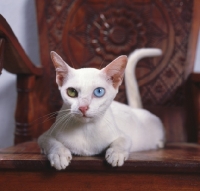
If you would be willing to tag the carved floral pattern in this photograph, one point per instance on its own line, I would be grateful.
(91, 34)
(114, 33)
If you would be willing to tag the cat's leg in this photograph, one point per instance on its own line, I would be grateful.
(58, 155)
(118, 151)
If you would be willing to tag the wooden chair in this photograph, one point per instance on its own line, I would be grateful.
(90, 34)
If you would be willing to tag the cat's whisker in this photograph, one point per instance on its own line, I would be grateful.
(62, 119)
(58, 121)
(68, 120)
(65, 125)
(50, 115)
(53, 113)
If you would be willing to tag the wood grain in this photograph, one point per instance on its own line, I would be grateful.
(25, 102)
(175, 158)
(48, 181)
(176, 167)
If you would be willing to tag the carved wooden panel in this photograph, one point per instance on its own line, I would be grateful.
(90, 33)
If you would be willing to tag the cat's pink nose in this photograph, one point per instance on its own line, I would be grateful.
(83, 109)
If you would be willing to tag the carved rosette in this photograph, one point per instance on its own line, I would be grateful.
(115, 32)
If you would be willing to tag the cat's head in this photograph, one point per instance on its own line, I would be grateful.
(88, 92)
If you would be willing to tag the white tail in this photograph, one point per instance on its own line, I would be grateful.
(132, 91)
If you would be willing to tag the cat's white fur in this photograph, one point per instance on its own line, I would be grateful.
(106, 124)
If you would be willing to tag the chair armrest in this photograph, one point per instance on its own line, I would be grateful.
(12, 56)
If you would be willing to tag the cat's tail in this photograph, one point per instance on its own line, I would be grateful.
(132, 91)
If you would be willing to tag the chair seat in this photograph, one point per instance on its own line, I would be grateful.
(176, 157)
(176, 167)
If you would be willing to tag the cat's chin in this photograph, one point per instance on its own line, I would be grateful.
(84, 119)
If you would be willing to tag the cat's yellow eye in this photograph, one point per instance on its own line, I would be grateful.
(71, 92)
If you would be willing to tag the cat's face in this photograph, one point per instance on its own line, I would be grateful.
(88, 92)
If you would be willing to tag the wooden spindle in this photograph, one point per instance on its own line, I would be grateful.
(25, 106)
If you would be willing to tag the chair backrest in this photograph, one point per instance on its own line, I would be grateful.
(90, 33)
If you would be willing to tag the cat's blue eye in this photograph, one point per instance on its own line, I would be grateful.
(99, 92)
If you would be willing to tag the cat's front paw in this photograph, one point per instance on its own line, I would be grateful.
(60, 158)
(116, 157)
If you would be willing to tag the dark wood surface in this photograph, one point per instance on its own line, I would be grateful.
(177, 167)
(90, 181)
(175, 158)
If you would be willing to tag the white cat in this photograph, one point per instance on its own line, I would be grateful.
(90, 122)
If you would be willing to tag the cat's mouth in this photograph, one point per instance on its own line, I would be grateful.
(85, 116)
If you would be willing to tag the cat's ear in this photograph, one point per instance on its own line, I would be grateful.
(115, 70)
(62, 68)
